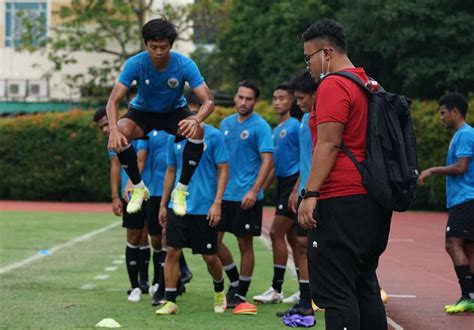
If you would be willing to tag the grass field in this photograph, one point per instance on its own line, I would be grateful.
(63, 290)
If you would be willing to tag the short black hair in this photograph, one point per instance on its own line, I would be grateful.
(303, 82)
(330, 30)
(284, 86)
(455, 100)
(99, 114)
(251, 85)
(159, 29)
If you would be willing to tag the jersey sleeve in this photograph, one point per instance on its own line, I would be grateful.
(465, 145)
(264, 138)
(192, 75)
(129, 72)
(333, 101)
(111, 153)
(219, 149)
(142, 145)
(171, 158)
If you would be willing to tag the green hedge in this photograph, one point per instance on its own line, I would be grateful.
(62, 156)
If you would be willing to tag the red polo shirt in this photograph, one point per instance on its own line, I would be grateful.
(340, 100)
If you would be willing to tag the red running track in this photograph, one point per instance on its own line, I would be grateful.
(415, 264)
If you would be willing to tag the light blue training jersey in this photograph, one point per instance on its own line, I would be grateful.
(286, 156)
(306, 151)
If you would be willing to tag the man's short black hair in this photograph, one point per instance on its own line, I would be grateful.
(330, 30)
(251, 85)
(284, 86)
(303, 82)
(159, 29)
(455, 100)
(99, 114)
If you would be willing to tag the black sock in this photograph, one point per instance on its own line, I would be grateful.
(232, 273)
(297, 273)
(278, 277)
(182, 262)
(157, 255)
(465, 281)
(219, 286)
(170, 294)
(244, 283)
(305, 294)
(131, 258)
(143, 263)
(128, 160)
(161, 281)
(191, 156)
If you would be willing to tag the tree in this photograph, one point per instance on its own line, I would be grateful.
(421, 48)
(95, 26)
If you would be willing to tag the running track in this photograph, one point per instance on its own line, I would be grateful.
(415, 264)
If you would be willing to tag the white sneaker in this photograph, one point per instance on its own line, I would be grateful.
(271, 296)
(293, 299)
(135, 295)
(153, 289)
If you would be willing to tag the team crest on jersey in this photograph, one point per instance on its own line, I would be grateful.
(173, 82)
(244, 135)
(282, 134)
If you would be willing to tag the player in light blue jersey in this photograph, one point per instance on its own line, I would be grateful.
(249, 142)
(196, 229)
(137, 251)
(286, 169)
(459, 171)
(160, 75)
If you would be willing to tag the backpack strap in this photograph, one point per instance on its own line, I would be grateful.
(352, 157)
(353, 78)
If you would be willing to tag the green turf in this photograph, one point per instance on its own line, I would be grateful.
(47, 294)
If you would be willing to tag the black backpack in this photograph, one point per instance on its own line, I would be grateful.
(390, 171)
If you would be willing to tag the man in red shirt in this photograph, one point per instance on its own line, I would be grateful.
(348, 230)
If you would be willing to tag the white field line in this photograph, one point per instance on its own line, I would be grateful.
(101, 277)
(265, 238)
(54, 249)
(110, 269)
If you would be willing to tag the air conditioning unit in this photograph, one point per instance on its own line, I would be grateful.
(38, 88)
(3, 89)
(16, 88)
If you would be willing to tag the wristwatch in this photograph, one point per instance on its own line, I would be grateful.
(308, 194)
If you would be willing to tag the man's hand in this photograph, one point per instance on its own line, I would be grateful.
(293, 201)
(214, 215)
(423, 175)
(117, 141)
(163, 216)
(249, 199)
(305, 213)
(188, 127)
(117, 206)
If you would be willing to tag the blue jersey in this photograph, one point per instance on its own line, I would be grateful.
(460, 188)
(287, 148)
(123, 175)
(160, 91)
(306, 151)
(155, 167)
(245, 141)
(203, 185)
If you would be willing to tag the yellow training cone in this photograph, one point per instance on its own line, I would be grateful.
(108, 323)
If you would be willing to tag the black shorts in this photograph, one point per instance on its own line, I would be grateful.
(300, 231)
(284, 188)
(167, 122)
(153, 210)
(241, 222)
(191, 231)
(461, 221)
(136, 220)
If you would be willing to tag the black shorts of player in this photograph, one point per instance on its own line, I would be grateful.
(167, 122)
(343, 255)
(461, 221)
(300, 231)
(241, 222)
(136, 220)
(191, 231)
(284, 188)
(153, 210)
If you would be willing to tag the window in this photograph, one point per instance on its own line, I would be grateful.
(20, 13)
